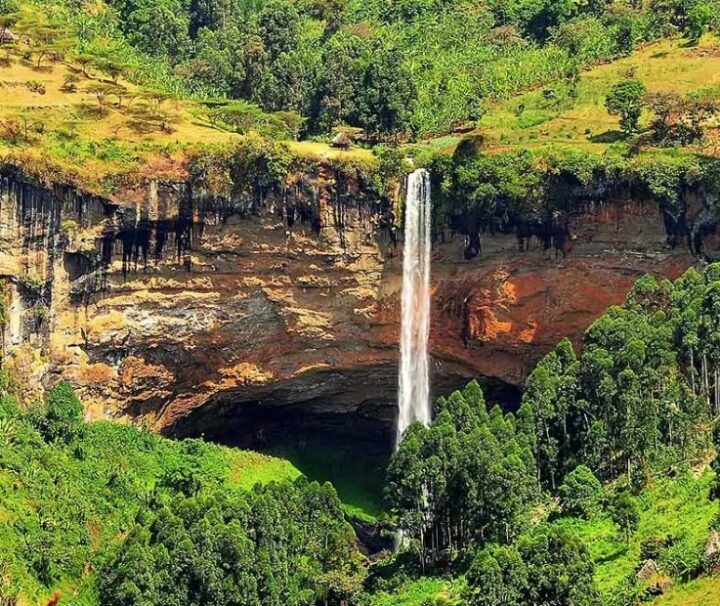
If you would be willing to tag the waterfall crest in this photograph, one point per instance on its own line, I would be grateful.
(414, 380)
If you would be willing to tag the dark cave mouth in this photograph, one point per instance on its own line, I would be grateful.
(344, 434)
(265, 427)
(355, 410)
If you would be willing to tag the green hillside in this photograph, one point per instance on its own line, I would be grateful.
(600, 488)
(72, 493)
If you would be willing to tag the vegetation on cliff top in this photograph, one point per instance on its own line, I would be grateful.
(412, 67)
(101, 93)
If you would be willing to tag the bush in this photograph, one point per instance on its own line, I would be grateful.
(683, 560)
(63, 415)
(581, 493)
(652, 548)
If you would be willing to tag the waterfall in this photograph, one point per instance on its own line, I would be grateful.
(414, 381)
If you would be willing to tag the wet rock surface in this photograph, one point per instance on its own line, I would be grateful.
(252, 319)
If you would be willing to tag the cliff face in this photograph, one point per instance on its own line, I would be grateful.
(246, 319)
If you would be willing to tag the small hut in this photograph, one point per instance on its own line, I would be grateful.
(341, 141)
(7, 37)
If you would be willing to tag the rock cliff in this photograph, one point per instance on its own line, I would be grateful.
(241, 319)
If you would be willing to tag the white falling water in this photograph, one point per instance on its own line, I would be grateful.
(414, 386)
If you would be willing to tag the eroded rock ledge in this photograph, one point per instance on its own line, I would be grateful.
(238, 318)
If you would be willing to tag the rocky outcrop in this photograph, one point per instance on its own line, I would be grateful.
(243, 318)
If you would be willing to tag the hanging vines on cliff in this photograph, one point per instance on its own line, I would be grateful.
(534, 193)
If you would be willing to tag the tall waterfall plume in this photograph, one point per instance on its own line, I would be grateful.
(414, 382)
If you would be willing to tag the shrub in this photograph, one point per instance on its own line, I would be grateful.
(581, 493)
(63, 415)
(652, 548)
(683, 559)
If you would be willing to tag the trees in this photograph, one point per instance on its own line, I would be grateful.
(698, 20)
(680, 119)
(242, 117)
(283, 544)
(644, 385)
(625, 513)
(625, 99)
(715, 465)
(336, 98)
(497, 577)
(44, 36)
(386, 95)
(581, 493)
(547, 567)
(462, 481)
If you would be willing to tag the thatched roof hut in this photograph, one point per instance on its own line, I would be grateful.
(341, 141)
(6, 36)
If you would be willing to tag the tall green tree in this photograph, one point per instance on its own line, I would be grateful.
(625, 99)
(387, 94)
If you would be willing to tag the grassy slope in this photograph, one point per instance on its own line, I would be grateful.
(92, 491)
(248, 468)
(701, 592)
(415, 593)
(679, 508)
(666, 65)
(84, 142)
(358, 479)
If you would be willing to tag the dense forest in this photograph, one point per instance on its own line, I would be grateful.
(489, 492)
(124, 517)
(405, 68)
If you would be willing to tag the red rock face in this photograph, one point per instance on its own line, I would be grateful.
(251, 322)
(497, 315)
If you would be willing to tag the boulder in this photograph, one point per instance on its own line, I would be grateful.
(647, 570)
(711, 555)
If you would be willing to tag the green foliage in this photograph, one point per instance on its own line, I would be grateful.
(715, 490)
(138, 513)
(388, 95)
(698, 20)
(426, 591)
(625, 99)
(643, 386)
(392, 167)
(410, 67)
(444, 483)
(277, 545)
(358, 480)
(624, 511)
(581, 494)
(243, 117)
(61, 419)
(548, 567)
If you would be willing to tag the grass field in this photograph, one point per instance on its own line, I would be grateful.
(415, 593)
(701, 592)
(358, 478)
(679, 509)
(533, 119)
